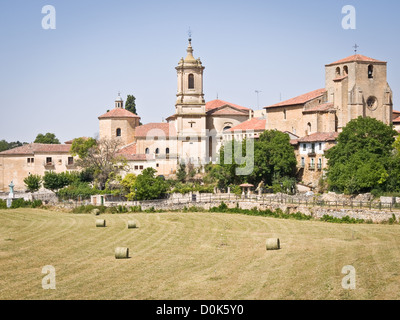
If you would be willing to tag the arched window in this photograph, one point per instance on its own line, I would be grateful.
(345, 70)
(167, 151)
(309, 127)
(157, 151)
(118, 132)
(227, 128)
(191, 81)
(338, 71)
(147, 151)
(370, 71)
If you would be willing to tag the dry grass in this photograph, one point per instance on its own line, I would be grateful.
(193, 256)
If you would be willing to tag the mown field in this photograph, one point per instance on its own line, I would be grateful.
(193, 256)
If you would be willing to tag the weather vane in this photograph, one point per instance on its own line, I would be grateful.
(355, 47)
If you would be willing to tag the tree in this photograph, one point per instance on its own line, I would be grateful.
(33, 182)
(274, 158)
(362, 160)
(130, 104)
(4, 145)
(101, 158)
(48, 138)
(148, 187)
(181, 173)
(56, 181)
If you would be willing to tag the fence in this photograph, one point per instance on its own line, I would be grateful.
(257, 199)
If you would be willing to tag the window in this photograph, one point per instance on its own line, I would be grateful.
(136, 167)
(167, 151)
(227, 128)
(191, 81)
(30, 160)
(157, 165)
(370, 71)
(372, 103)
(118, 132)
(337, 71)
(147, 151)
(320, 146)
(284, 114)
(49, 160)
(320, 163)
(313, 148)
(303, 162)
(345, 70)
(309, 127)
(141, 167)
(304, 147)
(70, 161)
(157, 151)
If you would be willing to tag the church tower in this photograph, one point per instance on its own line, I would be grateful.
(191, 108)
(357, 86)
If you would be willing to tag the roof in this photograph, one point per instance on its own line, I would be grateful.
(34, 148)
(302, 99)
(256, 124)
(155, 129)
(118, 113)
(326, 107)
(356, 58)
(320, 137)
(129, 149)
(214, 104)
(397, 119)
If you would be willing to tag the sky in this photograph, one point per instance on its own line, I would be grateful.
(61, 80)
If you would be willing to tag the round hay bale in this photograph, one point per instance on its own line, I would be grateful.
(273, 244)
(121, 253)
(96, 212)
(132, 225)
(100, 223)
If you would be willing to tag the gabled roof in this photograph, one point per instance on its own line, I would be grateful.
(129, 153)
(38, 148)
(256, 124)
(156, 129)
(356, 58)
(227, 110)
(302, 99)
(320, 137)
(214, 104)
(118, 113)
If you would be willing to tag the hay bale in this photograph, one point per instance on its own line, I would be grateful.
(100, 223)
(121, 253)
(132, 225)
(273, 244)
(96, 212)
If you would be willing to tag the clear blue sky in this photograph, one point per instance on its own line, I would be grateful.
(61, 80)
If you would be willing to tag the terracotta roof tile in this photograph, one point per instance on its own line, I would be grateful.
(129, 149)
(118, 113)
(320, 137)
(34, 148)
(355, 58)
(255, 124)
(220, 103)
(156, 129)
(304, 98)
(396, 120)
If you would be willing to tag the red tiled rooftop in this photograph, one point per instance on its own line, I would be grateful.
(220, 103)
(129, 149)
(396, 120)
(302, 99)
(320, 137)
(255, 124)
(118, 113)
(34, 148)
(355, 58)
(155, 129)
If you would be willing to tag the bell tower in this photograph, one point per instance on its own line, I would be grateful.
(190, 109)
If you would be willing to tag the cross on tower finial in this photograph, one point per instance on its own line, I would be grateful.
(190, 34)
(355, 48)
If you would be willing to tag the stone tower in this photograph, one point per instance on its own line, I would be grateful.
(357, 86)
(119, 123)
(190, 108)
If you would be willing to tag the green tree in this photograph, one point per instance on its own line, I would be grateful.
(48, 138)
(130, 104)
(148, 187)
(274, 157)
(362, 159)
(33, 182)
(181, 173)
(4, 145)
(80, 146)
(55, 181)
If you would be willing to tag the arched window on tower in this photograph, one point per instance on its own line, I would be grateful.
(157, 151)
(191, 81)
(309, 128)
(345, 70)
(118, 132)
(167, 151)
(147, 151)
(338, 71)
(370, 71)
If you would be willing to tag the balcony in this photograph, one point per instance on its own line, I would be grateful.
(312, 154)
(48, 164)
(70, 165)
